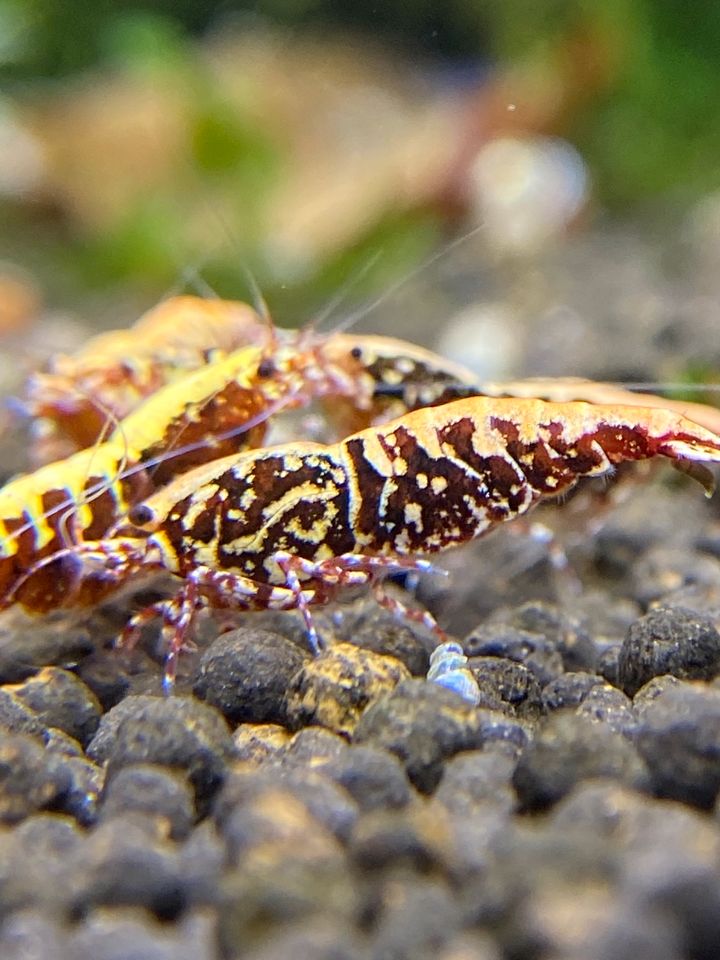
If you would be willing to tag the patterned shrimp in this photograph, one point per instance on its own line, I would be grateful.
(220, 409)
(201, 417)
(289, 527)
(443, 389)
(115, 371)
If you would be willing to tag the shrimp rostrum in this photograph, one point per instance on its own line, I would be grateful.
(290, 526)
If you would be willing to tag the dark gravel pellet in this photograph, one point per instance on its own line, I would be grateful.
(61, 700)
(269, 820)
(668, 857)
(284, 884)
(126, 863)
(27, 647)
(81, 796)
(16, 716)
(657, 687)
(606, 704)
(39, 865)
(31, 935)
(417, 917)
(202, 858)
(104, 936)
(568, 690)
(315, 744)
(315, 939)
(673, 641)
(513, 683)
(501, 731)
(374, 778)
(664, 569)
(471, 859)
(103, 674)
(567, 750)
(395, 840)
(533, 650)
(255, 742)
(476, 780)
(567, 633)
(327, 802)
(678, 738)
(334, 689)
(246, 673)
(372, 628)
(422, 724)
(154, 791)
(58, 742)
(600, 925)
(608, 665)
(636, 823)
(469, 945)
(30, 778)
(175, 732)
(593, 698)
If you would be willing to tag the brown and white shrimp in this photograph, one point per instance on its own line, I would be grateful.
(289, 527)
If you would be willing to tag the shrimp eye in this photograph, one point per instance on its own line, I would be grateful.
(356, 353)
(140, 515)
(266, 368)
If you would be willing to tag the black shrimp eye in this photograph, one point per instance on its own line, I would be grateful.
(356, 353)
(266, 368)
(140, 515)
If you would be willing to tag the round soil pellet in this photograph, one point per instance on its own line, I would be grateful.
(669, 641)
(246, 674)
(567, 750)
(30, 778)
(152, 791)
(61, 700)
(174, 732)
(678, 737)
(374, 778)
(335, 688)
(422, 724)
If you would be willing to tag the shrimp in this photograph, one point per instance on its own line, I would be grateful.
(115, 371)
(290, 526)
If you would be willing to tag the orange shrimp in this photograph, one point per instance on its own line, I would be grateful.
(115, 371)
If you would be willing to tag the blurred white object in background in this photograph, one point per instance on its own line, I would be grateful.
(526, 191)
(21, 156)
(486, 338)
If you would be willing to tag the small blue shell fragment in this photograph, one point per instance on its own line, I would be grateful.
(448, 668)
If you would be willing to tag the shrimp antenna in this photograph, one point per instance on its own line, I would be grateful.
(191, 276)
(258, 300)
(358, 315)
(359, 274)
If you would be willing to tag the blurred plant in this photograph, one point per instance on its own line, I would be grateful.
(652, 68)
(631, 83)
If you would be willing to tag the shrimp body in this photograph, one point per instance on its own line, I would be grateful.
(115, 371)
(289, 526)
(436, 478)
(217, 410)
(214, 410)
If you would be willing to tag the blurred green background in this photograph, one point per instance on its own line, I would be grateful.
(143, 142)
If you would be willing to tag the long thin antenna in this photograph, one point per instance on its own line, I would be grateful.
(345, 289)
(358, 315)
